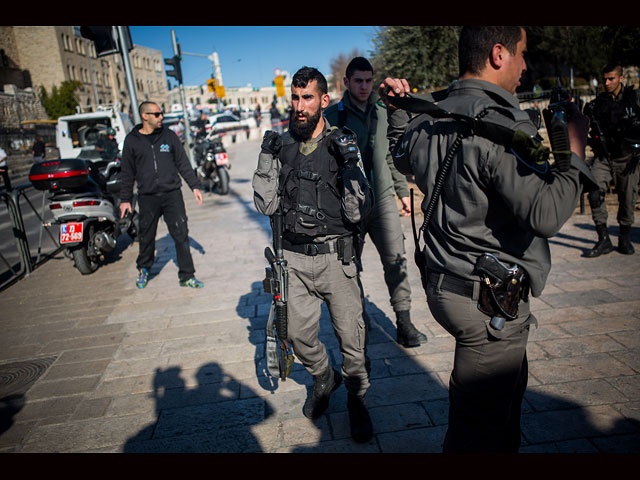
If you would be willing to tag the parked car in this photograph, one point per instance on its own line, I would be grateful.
(175, 123)
(227, 122)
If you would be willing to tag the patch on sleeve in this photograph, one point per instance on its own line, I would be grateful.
(530, 152)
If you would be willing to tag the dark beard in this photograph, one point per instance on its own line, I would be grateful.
(304, 129)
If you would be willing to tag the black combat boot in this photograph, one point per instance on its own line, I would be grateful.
(603, 245)
(624, 240)
(408, 335)
(323, 385)
(359, 419)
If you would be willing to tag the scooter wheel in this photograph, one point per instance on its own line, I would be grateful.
(223, 181)
(85, 264)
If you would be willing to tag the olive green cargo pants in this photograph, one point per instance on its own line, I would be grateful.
(312, 281)
(626, 186)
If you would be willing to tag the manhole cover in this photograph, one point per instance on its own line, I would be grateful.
(17, 378)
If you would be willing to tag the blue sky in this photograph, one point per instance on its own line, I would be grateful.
(250, 54)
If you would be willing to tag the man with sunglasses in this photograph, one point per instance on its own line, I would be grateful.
(154, 158)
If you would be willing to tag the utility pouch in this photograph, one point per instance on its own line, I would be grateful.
(346, 249)
(501, 289)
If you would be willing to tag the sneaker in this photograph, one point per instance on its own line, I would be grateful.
(143, 278)
(193, 283)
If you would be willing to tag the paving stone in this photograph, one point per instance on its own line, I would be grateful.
(574, 423)
(577, 368)
(85, 435)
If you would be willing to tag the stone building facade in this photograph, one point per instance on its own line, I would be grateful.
(45, 56)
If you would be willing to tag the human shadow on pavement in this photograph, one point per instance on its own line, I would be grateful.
(256, 333)
(208, 418)
(166, 252)
(552, 424)
(10, 405)
(250, 209)
(590, 239)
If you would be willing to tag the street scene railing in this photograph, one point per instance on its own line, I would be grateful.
(25, 240)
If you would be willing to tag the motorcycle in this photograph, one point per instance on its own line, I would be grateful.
(84, 203)
(212, 163)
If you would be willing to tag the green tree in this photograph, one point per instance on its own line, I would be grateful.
(553, 49)
(622, 44)
(61, 101)
(427, 56)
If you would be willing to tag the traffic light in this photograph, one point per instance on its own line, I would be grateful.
(177, 71)
(103, 39)
(279, 83)
(211, 84)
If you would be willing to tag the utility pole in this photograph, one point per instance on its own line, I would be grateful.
(187, 123)
(124, 50)
(217, 72)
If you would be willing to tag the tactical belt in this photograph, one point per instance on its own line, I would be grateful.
(311, 249)
(453, 284)
(343, 246)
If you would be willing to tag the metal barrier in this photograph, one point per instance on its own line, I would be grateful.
(27, 263)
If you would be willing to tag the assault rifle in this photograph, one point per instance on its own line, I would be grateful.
(278, 351)
(556, 119)
(596, 139)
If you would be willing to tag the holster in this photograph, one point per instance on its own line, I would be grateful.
(501, 298)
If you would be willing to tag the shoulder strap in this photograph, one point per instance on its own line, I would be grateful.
(342, 114)
(493, 131)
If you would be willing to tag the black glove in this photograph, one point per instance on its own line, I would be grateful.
(271, 142)
(347, 148)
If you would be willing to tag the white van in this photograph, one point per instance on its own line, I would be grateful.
(81, 131)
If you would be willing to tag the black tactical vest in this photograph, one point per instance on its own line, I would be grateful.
(310, 186)
(616, 118)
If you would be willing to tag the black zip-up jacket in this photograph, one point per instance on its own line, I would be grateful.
(155, 162)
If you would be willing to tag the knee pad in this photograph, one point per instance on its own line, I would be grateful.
(596, 198)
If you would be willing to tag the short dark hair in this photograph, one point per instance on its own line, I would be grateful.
(358, 64)
(307, 74)
(476, 42)
(141, 108)
(612, 67)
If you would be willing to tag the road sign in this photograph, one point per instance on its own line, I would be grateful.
(211, 84)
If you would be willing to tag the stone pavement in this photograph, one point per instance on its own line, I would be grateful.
(92, 364)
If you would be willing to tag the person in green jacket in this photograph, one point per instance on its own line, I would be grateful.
(361, 111)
